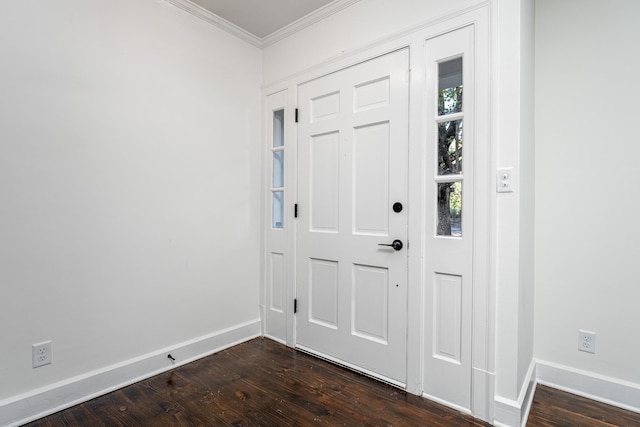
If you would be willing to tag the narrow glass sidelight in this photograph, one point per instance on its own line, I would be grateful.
(449, 148)
(450, 87)
(277, 171)
(449, 209)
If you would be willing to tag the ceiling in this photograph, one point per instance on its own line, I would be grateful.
(261, 17)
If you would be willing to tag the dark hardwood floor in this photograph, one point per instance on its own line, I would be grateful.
(263, 383)
(553, 407)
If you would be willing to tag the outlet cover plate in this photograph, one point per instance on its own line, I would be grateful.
(41, 354)
(587, 341)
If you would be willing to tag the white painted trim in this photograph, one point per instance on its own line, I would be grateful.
(292, 28)
(213, 19)
(507, 413)
(307, 20)
(448, 404)
(275, 339)
(482, 392)
(512, 413)
(612, 391)
(385, 44)
(21, 409)
(528, 402)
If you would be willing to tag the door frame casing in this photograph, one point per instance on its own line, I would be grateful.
(483, 331)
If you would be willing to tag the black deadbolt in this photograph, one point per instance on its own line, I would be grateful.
(397, 207)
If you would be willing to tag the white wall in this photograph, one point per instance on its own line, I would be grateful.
(359, 25)
(587, 204)
(129, 183)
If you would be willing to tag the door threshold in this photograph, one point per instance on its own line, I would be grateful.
(381, 378)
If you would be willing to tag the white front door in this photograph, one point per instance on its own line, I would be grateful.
(352, 197)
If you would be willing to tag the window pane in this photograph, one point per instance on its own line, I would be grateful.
(450, 87)
(449, 209)
(278, 209)
(278, 128)
(278, 169)
(450, 148)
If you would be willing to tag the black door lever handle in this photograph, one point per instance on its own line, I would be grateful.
(396, 244)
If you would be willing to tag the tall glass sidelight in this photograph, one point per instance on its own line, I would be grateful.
(277, 172)
(450, 125)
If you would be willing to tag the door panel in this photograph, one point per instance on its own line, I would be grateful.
(323, 298)
(276, 282)
(370, 303)
(371, 147)
(447, 317)
(324, 188)
(352, 157)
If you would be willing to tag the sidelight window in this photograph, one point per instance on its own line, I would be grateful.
(449, 140)
(277, 171)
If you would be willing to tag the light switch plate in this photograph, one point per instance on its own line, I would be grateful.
(504, 180)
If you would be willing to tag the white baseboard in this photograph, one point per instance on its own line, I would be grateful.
(514, 413)
(446, 403)
(36, 404)
(622, 394)
(276, 339)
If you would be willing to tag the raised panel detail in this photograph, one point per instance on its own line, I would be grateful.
(447, 312)
(371, 179)
(277, 282)
(323, 284)
(370, 303)
(324, 159)
(373, 94)
(325, 107)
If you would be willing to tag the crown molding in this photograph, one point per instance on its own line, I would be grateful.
(307, 20)
(294, 27)
(211, 18)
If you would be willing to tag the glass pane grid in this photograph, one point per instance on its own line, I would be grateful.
(449, 117)
(448, 178)
(277, 171)
(449, 149)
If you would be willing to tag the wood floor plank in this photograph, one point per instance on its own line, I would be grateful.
(552, 407)
(264, 383)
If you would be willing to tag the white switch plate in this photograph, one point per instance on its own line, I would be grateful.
(504, 180)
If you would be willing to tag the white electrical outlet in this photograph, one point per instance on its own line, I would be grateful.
(41, 354)
(587, 341)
